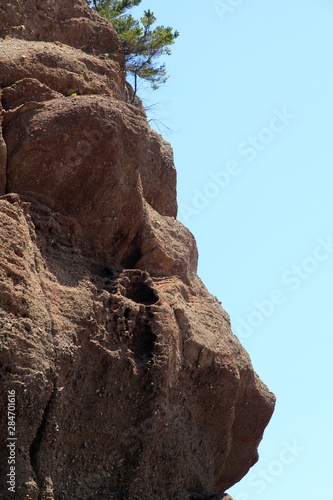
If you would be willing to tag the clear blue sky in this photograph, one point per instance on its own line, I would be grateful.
(250, 103)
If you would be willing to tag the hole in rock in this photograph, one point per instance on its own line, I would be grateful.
(143, 342)
(141, 293)
(106, 272)
(130, 261)
(132, 255)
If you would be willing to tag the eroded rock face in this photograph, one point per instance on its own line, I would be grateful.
(126, 384)
(129, 382)
(3, 156)
(94, 158)
(70, 22)
(62, 68)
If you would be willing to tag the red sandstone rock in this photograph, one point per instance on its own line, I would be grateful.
(3, 156)
(60, 67)
(98, 165)
(70, 22)
(129, 382)
(126, 384)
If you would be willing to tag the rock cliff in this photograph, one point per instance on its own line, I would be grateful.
(128, 381)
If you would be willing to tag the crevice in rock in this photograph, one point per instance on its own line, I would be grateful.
(52, 322)
(133, 253)
(198, 359)
(143, 342)
(36, 443)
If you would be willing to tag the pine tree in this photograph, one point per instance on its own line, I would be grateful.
(142, 43)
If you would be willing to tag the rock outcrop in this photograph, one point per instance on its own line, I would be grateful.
(128, 381)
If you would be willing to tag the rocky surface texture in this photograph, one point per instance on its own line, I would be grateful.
(129, 383)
